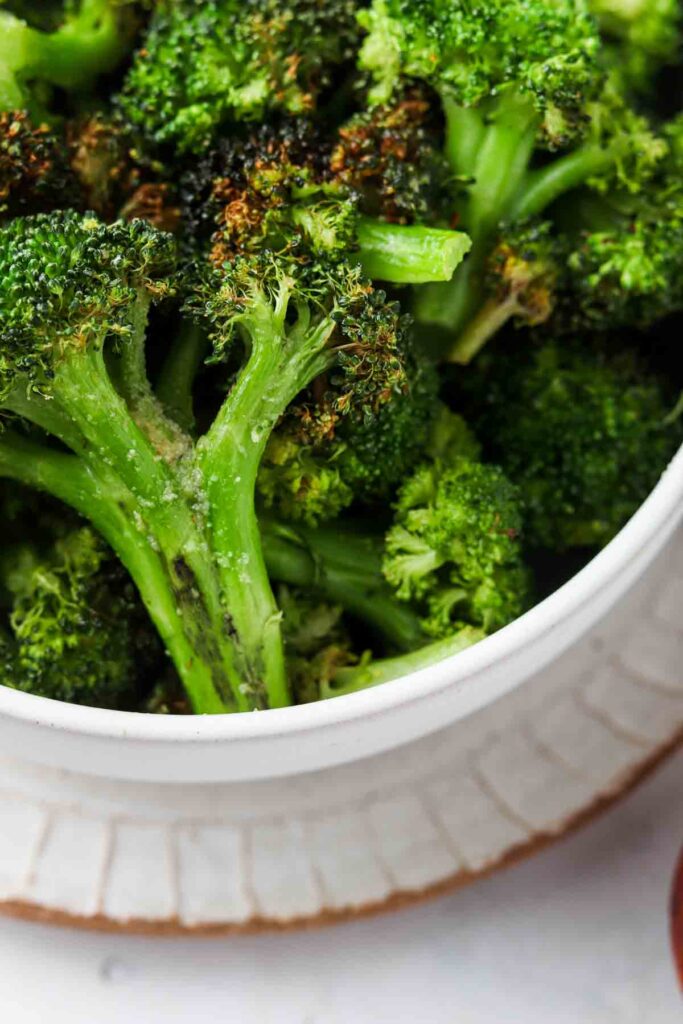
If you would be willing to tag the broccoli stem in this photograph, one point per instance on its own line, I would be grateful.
(175, 384)
(496, 158)
(129, 370)
(13, 37)
(492, 316)
(464, 131)
(102, 499)
(281, 363)
(501, 163)
(542, 187)
(341, 567)
(163, 505)
(411, 254)
(373, 673)
(89, 43)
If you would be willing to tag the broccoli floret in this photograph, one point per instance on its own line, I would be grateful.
(624, 266)
(277, 190)
(91, 39)
(530, 115)
(34, 168)
(203, 63)
(114, 180)
(316, 465)
(390, 156)
(455, 547)
(584, 435)
(524, 276)
(179, 513)
(75, 629)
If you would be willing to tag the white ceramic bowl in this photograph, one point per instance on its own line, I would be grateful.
(122, 745)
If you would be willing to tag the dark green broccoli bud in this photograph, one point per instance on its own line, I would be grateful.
(76, 630)
(91, 39)
(389, 156)
(277, 191)
(34, 168)
(455, 547)
(584, 436)
(204, 63)
(640, 36)
(358, 459)
(67, 283)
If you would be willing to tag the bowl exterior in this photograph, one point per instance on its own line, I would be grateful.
(316, 847)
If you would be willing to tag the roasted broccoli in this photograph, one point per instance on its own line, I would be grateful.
(248, 255)
(70, 52)
(531, 114)
(584, 434)
(205, 63)
(75, 630)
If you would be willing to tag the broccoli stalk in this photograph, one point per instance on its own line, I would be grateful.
(373, 672)
(409, 254)
(344, 566)
(91, 41)
(180, 515)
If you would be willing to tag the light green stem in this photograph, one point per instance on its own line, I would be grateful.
(275, 372)
(374, 673)
(175, 385)
(102, 499)
(491, 318)
(411, 254)
(167, 504)
(544, 186)
(346, 570)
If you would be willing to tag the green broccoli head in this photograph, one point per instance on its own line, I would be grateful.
(68, 282)
(584, 435)
(319, 319)
(358, 459)
(273, 191)
(75, 630)
(69, 49)
(545, 49)
(284, 190)
(204, 63)
(455, 548)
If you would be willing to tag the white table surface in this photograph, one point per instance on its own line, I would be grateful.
(579, 935)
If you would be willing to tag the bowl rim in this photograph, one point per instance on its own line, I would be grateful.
(660, 509)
